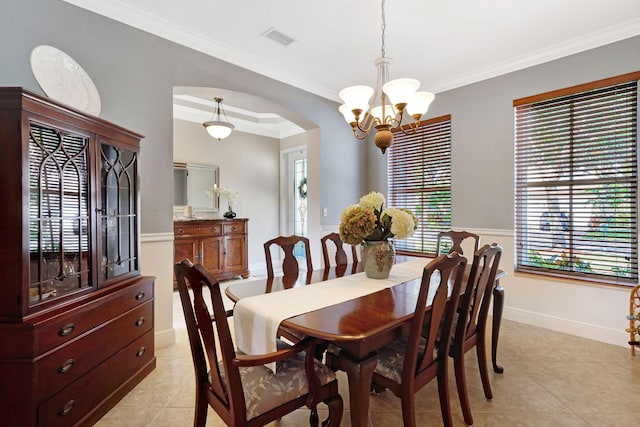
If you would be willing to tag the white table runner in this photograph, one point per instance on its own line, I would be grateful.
(256, 319)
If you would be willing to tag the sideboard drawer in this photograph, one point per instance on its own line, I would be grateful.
(66, 364)
(73, 403)
(61, 329)
(236, 227)
(198, 230)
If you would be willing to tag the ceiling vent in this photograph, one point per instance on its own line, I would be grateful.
(278, 37)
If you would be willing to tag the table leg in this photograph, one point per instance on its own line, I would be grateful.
(359, 375)
(498, 306)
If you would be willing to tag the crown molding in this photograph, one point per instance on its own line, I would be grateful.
(120, 11)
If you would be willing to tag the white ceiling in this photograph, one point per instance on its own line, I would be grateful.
(443, 43)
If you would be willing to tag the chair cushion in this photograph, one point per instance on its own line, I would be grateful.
(391, 358)
(264, 390)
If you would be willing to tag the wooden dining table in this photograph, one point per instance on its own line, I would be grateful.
(359, 327)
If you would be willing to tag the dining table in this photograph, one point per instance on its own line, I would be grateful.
(357, 326)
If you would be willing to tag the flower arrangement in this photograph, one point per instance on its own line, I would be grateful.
(230, 195)
(370, 221)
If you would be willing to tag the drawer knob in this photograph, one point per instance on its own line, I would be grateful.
(66, 329)
(66, 366)
(141, 351)
(180, 231)
(140, 321)
(140, 295)
(214, 229)
(67, 408)
(234, 228)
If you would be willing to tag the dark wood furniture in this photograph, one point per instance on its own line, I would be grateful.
(76, 316)
(470, 330)
(410, 362)
(224, 378)
(456, 238)
(359, 327)
(449, 241)
(340, 254)
(290, 266)
(219, 245)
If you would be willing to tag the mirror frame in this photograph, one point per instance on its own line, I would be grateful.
(191, 188)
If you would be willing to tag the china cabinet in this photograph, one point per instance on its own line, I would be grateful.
(220, 245)
(76, 316)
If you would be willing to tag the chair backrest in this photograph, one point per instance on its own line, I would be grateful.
(204, 350)
(341, 255)
(440, 316)
(474, 304)
(289, 263)
(456, 238)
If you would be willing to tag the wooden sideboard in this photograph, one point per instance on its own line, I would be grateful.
(220, 245)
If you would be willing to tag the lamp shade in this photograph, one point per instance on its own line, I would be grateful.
(217, 129)
(420, 102)
(377, 112)
(356, 97)
(400, 91)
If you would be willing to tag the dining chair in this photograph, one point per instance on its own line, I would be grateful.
(410, 362)
(290, 265)
(241, 390)
(456, 238)
(470, 328)
(341, 255)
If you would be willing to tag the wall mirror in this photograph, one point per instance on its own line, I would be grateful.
(193, 186)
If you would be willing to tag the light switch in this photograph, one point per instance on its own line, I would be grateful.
(324, 211)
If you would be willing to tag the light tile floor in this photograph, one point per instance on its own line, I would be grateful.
(550, 380)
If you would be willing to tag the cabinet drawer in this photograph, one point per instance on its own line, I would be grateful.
(66, 364)
(75, 402)
(234, 228)
(63, 328)
(198, 230)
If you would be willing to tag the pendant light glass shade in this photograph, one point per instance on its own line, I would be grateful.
(400, 91)
(216, 127)
(419, 104)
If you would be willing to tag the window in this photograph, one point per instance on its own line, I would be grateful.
(420, 180)
(576, 185)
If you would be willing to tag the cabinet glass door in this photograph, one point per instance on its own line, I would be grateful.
(118, 211)
(58, 213)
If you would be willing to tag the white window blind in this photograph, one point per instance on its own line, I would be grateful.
(420, 180)
(576, 182)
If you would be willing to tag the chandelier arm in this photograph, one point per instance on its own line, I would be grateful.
(409, 128)
(366, 124)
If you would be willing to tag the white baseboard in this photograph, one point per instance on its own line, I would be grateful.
(568, 326)
(165, 338)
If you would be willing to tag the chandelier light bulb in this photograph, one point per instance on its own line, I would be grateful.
(357, 97)
(401, 91)
(377, 113)
(419, 104)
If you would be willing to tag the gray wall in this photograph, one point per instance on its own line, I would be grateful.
(135, 74)
(483, 128)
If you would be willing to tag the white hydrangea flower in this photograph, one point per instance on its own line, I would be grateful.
(402, 224)
(373, 200)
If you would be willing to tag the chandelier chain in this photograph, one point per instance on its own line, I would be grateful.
(384, 25)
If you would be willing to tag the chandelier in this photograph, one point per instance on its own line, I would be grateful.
(216, 127)
(397, 104)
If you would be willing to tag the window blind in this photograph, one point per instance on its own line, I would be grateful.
(419, 179)
(576, 206)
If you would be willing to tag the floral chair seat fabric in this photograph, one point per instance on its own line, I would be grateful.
(265, 390)
(391, 358)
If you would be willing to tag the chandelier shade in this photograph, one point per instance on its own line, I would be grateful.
(389, 101)
(216, 127)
